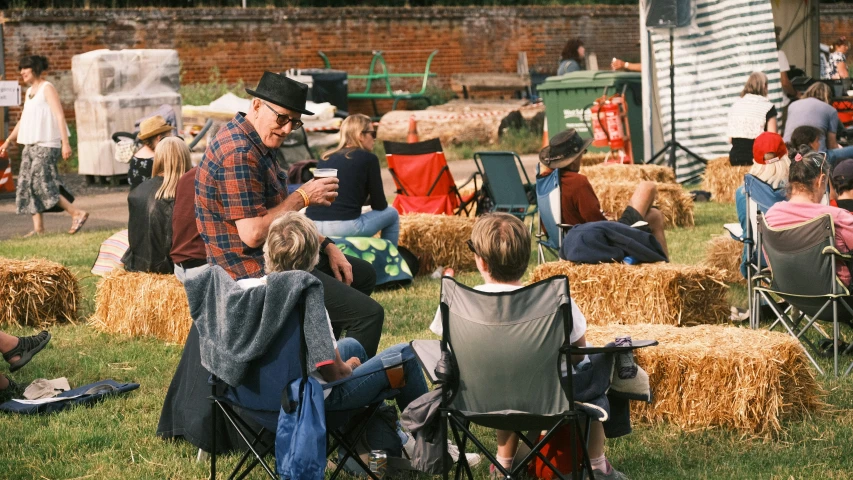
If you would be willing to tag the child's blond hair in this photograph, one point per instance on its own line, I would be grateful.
(292, 244)
(503, 242)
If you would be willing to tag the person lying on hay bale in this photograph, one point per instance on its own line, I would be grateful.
(807, 183)
(149, 225)
(579, 203)
(500, 244)
(17, 352)
(240, 190)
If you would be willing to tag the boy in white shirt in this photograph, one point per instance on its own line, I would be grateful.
(501, 246)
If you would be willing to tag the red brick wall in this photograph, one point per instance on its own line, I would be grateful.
(244, 43)
(836, 20)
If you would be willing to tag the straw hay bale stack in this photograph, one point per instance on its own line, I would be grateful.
(722, 179)
(629, 173)
(658, 293)
(590, 158)
(438, 240)
(724, 253)
(716, 376)
(675, 204)
(36, 293)
(142, 304)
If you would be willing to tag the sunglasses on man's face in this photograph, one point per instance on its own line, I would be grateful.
(282, 119)
(372, 133)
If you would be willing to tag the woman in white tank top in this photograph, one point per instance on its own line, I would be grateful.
(43, 133)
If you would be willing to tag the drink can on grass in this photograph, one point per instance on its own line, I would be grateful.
(377, 462)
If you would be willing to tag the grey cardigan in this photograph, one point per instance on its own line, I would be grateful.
(236, 326)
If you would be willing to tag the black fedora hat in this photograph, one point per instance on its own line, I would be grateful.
(563, 149)
(282, 91)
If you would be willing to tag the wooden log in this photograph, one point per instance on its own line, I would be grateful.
(456, 123)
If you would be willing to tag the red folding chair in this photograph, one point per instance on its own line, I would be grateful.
(424, 183)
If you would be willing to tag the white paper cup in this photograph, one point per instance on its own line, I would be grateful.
(325, 173)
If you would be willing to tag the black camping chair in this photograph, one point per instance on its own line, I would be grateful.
(803, 260)
(253, 407)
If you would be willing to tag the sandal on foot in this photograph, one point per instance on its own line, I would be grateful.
(27, 347)
(78, 223)
(33, 233)
(13, 390)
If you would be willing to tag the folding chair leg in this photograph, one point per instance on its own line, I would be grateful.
(235, 422)
(215, 418)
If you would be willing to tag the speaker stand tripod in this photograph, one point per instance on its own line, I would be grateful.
(672, 144)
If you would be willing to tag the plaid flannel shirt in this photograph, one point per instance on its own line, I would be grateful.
(238, 178)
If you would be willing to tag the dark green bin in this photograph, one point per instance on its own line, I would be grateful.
(568, 96)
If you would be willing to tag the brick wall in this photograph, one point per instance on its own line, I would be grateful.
(244, 43)
(836, 20)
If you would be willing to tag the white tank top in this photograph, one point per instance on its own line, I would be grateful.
(38, 127)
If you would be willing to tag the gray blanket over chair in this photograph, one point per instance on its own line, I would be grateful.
(236, 326)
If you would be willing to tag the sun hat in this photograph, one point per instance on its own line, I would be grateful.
(768, 142)
(563, 149)
(282, 91)
(153, 126)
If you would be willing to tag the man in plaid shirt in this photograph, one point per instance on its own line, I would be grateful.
(240, 190)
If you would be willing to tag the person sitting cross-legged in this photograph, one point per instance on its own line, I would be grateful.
(501, 246)
(579, 203)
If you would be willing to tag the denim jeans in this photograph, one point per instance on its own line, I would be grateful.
(835, 155)
(367, 225)
(363, 391)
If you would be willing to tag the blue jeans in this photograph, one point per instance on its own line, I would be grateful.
(367, 225)
(364, 390)
(835, 155)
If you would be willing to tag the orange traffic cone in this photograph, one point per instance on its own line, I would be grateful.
(545, 139)
(412, 137)
(7, 184)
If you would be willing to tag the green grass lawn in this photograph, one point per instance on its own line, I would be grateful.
(116, 439)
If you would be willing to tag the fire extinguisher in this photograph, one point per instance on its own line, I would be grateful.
(599, 135)
(613, 119)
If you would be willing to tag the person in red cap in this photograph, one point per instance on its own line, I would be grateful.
(770, 157)
(807, 183)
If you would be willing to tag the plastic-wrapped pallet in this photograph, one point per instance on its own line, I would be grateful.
(114, 89)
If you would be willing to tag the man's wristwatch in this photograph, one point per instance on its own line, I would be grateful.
(328, 241)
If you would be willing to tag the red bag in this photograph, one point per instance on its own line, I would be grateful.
(557, 452)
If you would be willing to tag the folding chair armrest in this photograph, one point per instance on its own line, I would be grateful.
(573, 350)
(472, 177)
(427, 353)
(834, 251)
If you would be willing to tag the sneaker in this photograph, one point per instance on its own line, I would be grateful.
(613, 475)
(13, 390)
(26, 348)
(453, 450)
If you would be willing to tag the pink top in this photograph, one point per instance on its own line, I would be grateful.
(786, 214)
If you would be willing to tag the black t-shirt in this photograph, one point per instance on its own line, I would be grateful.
(741, 152)
(845, 204)
(359, 178)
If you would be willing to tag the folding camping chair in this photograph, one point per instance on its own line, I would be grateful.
(551, 227)
(802, 261)
(503, 185)
(528, 392)
(258, 400)
(424, 182)
(758, 198)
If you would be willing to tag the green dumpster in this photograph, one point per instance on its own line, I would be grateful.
(569, 97)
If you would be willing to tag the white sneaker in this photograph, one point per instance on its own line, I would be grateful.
(453, 450)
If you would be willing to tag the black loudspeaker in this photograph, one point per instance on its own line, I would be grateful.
(668, 13)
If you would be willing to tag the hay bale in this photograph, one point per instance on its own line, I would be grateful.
(724, 253)
(438, 240)
(722, 179)
(716, 376)
(674, 202)
(658, 293)
(589, 159)
(142, 304)
(36, 293)
(613, 172)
